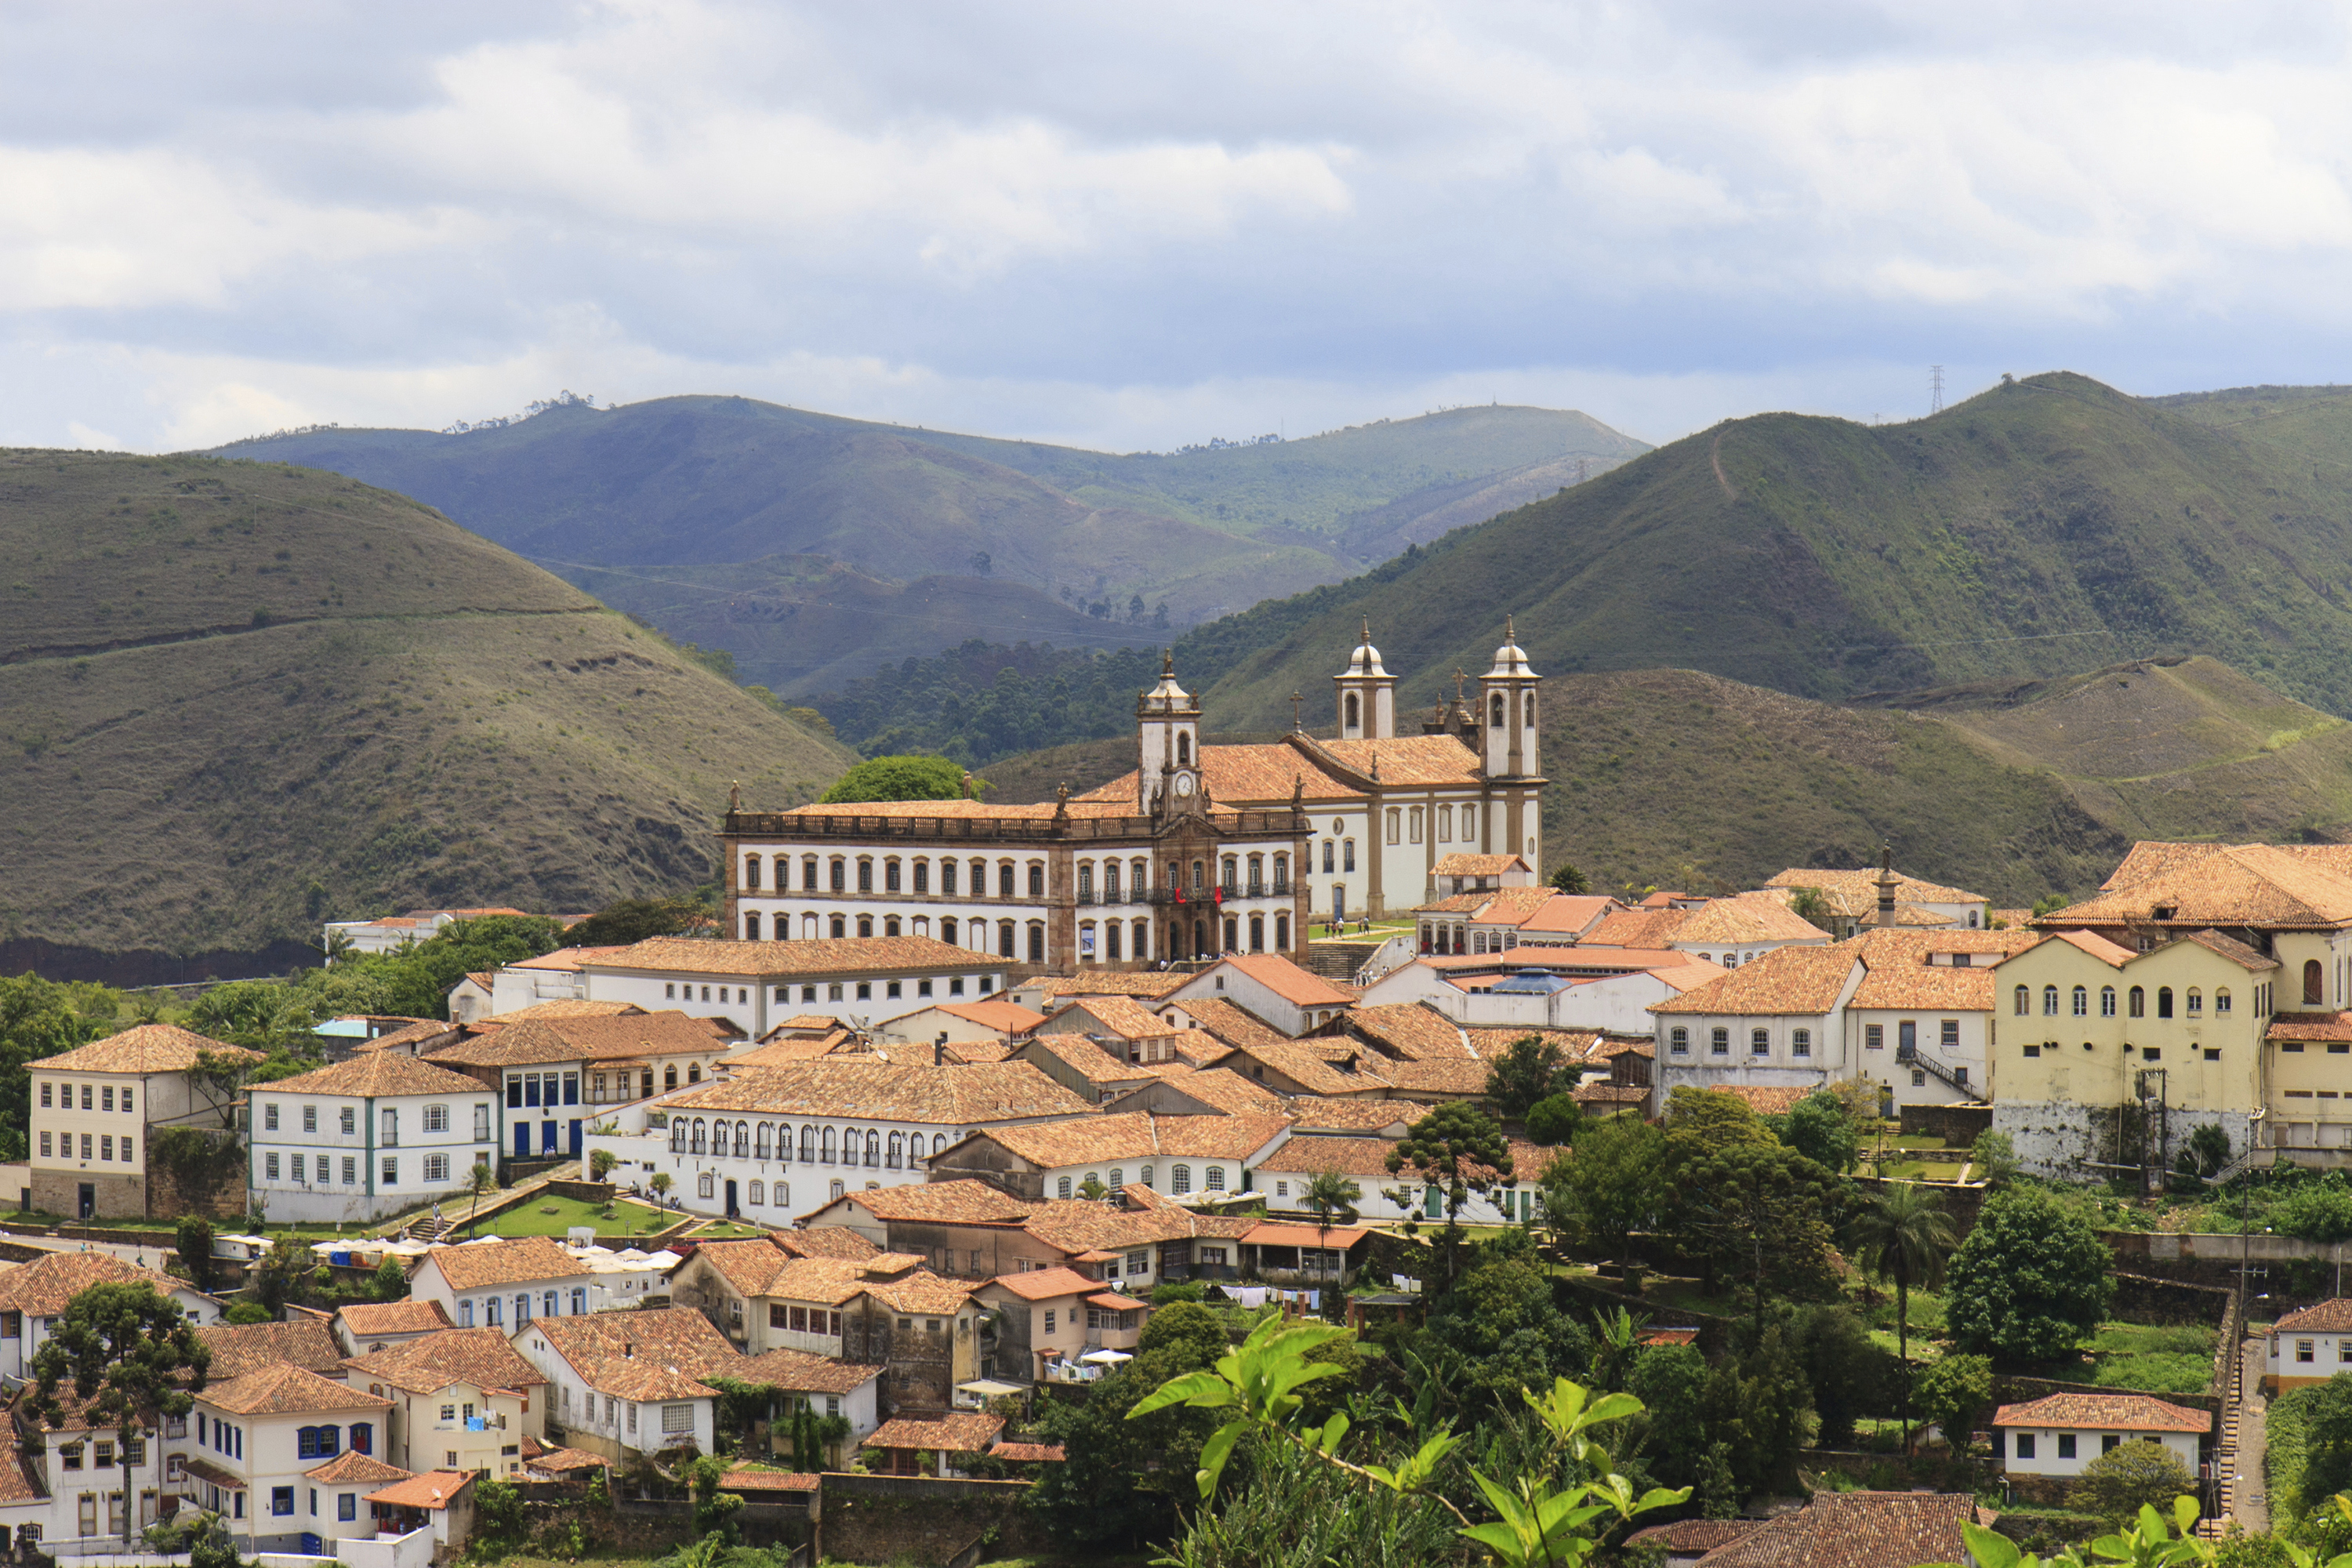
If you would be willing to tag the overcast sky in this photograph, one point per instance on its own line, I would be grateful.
(1137, 227)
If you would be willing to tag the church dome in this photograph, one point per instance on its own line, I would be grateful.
(1168, 697)
(1366, 659)
(1510, 663)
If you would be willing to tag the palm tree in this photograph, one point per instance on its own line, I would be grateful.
(1329, 1192)
(482, 1179)
(1903, 1236)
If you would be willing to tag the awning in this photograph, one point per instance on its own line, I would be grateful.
(1105, 1358)
(989, 1388)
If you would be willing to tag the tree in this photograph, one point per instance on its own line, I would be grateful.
(1812, 905)
(2327, 1443)
(482, 1179)
(1904, 1237)
(1614, 1184)
(1992, 1158)
(391, 1280)
(2207, 1150)
(127, 1352)
(601, 1163)
(1702, 1121)
(2317, 1210)
(1567, 879)
(1531, 1068)
(244, 1312)
(2129, 1476)
(1188, 1331)
(1848, 1374)
(194, 1241)
(1328, 1193)
(1555, 1121)
(899, 778)
(1767, 1212)
(1461, 1146)
(1718, 1493)
(1953, 1394)
(661, 1184)
(629, 920)
(1819, 1128)
(2030, 1282)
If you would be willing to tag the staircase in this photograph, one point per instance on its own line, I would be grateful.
(426, 1230)
(1909, 1056)
(2225, 1455)
(1336, 959)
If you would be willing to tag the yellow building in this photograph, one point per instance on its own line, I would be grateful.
(2096, 1045)
(461, 1400)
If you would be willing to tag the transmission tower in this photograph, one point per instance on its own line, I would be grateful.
(1936, 389)
(1580, 463)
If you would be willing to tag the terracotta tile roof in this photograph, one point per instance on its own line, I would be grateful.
(406, 1039)
(504, 1261)
(1750, 917)
(921, 1291)
(1137, 1135)
(747, 1266)
(2230, 948)
(969, 1201)
(1908, 890)
(565, 960)
(2241, 884)
(351, 1468)
(827, 1241)
(2111, 953)
(1353, 1117)
(627, 1038)
(841, 955)
(42, 1288)
(145, 1048)
(2331, 1317)
(1588, 1046)
(873, 1089)
(1453, 904)
(1085, 1059)
(792, 1051)
(741, 1480)
(1638, 928)
(1600, 1091)
(1227, 1022)
(1076, 1227)
(434, 1491)
(375, 1075)
(2311, 1026)
(1223, 1089)
(1454, 1077)
(1142, 983)
(825, 1282)
(1567, 912)
(485, 1358)
(1409, 759)
(1267, 1233)
(797, 1372)
(1358, 1157)
(285, 1390)
(1046, 1284)
(566, 1007)
(650, 1353)
(414, 1316)
(1317, 1069)
(996, 1013)
(1284, 979)
(302, 1341)
(1856, 1530)
(2104, 1412)
(959, 1432)
(1123, 1016)
(1477, 865)
(1237, 775)
(564, 1461)
(1802, 981)
(1028, 1453)
(1689, 1536)
(977, 1053)
(1913, 984)
(1765, 1100)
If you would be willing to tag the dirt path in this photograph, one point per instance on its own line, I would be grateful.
(2249, 1498)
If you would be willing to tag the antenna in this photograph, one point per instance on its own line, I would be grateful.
(1936, 389)
(1581, 468)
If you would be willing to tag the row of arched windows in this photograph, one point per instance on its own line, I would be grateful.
(818, 1145)
(2135, 1000)
(865, 874)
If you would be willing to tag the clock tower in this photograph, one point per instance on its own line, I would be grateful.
(1168, 745)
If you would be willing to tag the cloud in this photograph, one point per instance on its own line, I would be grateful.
(1140, 228)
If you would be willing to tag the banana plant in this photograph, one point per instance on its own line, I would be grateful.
(1538, 1522)
(2146, 1544)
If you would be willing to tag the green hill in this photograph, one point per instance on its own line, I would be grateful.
(239, 698)
(2041, 528)
(692, 510)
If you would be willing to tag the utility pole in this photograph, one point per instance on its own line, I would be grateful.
(1936, 389)
(1581, 464)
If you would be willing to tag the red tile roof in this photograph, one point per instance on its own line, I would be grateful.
(504, 1261)
(302, 1341)
(2104, 1412)
(959, 1432)
(286, 1389)
(2331, 1317)
(1857, 1530)
(1284, 979)
(874, 1089)
(434, 1491)
(412, 1316)
(841, 955)
(145, 1048)
(1046, 1284)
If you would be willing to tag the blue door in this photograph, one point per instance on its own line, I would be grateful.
(313, 1545)
(522, 1139)
(576, 1125)
(547, 1137)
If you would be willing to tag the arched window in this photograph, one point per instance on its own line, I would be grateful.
(890, 876)
(808, 874)
(809, 928)
(1004, 940)
(742, 1139)
(948, 877)
(1214, 1180)
(750, 927)
(1183, 750)
(1062, 1189)
(2314, 981)
(1347, 854)
(1498, 710)
(2023, 1001)
(759, 1193)
(1180, 1180)
(1005, 884)
(1800, 1043)
(865, 925)
(1257, 934)
(874, 1150)
(897, 1144)
(1282, 933)
(2196, 1001)
(2164, 1001)
(948, 930)
(1036, 879)
(922, 925)
(767, 1134)
(702, 1135)
(1229, 873)
(938, 1142)
(2221, 1000)
(1527, 710)
(2138, 999)
(865, 874)
(923, 876)
(1469, 825)
(2050, 1000)
(1355, 720)
(827, 1155)
(493, 1312)
(694, 1072)
(808, 1144)
(1282, 873)
(2106, 1001)
(840, 869)
(677, 1137)
(1036, 942)
(890, 925)
(840, 927)
(1085, 881)
(669, 1076)
(2082, 1002)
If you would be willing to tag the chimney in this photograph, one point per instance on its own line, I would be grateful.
(1885, 886)
(940, 1050)
(967, 787)
(628, 1350)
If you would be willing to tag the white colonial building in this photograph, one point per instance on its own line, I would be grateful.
(756, 985)
(1200, 850)
(96, 1112)
(2060, 1433)
(506, 1282)
(366, 1138)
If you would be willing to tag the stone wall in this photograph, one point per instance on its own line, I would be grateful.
(114, 1195)
(1957, 1125)
(866, 1521)
(168, 1197)
(584, 1191)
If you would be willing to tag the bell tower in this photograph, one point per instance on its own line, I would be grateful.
(1506, 695)
(1168, 743)
(1367, 695)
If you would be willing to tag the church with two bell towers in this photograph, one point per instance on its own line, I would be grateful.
(1200, 851)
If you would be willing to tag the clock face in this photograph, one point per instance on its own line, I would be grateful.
(1184, 783)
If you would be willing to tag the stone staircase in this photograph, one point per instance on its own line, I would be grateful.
(1338, 960)
(2234, 1487)
(426, 1230)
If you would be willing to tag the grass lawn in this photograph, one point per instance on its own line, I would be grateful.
(2171, 1359)
(725, 1230)
(548, 1215)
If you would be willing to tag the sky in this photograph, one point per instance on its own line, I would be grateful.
(1132, 227)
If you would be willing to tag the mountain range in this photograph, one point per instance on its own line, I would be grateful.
(814, 547)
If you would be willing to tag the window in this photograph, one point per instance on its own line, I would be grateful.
(436, 1168)
(1396, 827)
(391, 1170)
(1800, 1043)
(45, 1105)
(1874, 1036)
(2065, 1445)
(702, 1185)
(2138, 1000)
(2025, 1445)
(1413, 824)
(297, 1163)
(2314, 983)
(348, 1118)
(1759, 1043)
(2050, 1000)
(2033, 1050)
(281, 1499)
(1180, 1179)
(1678, 1041)
(1216, 1179)
(310, 1119)
(2164, 1001)
(677, 1418)
(2221, 1001)
(347, 1506)
(268, 1162)
(2024, 1001)
(1948, 1034)
(1720, 1043)
(2106, 1001)
(2082, 1002)
(351, 1171)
